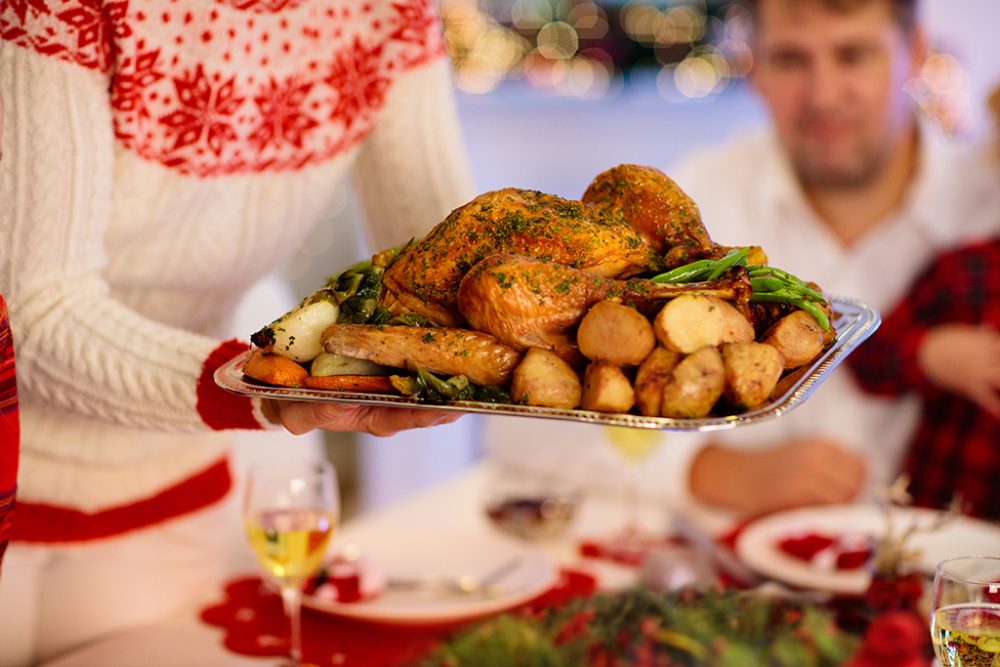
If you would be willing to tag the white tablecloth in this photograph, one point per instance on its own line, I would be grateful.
(452, 513)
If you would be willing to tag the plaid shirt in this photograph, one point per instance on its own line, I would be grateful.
(956, 446)
(9, 430)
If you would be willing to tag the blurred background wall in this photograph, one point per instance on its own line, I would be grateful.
(550, 93)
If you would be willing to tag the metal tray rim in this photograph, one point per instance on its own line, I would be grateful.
(855, 321)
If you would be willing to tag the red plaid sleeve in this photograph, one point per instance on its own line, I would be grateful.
(951, 290)
(9, 430)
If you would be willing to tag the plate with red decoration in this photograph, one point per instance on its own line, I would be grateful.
(825, 548)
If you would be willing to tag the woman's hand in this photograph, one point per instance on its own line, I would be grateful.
(301, 417)
(965, 359)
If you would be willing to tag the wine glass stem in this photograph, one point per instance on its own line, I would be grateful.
(291, 599)
(632, 478)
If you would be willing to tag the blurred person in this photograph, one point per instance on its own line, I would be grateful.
(848, 189)
(160, 158)
(845, 187)
(942, 343)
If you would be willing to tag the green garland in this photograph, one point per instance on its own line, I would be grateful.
(639, 628)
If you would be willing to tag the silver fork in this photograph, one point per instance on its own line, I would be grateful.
(487, 584)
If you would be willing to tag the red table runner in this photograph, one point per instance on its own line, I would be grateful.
(254, 623)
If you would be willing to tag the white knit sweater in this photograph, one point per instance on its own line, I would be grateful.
(161, 156)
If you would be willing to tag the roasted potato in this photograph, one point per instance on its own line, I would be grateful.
(787, 381)
(752, 371)
(543, 378)
(690, 322)
(798, 337)
(653, 374)
(274, 369)
(606, 388)
(695, 385)
(736, 328)
(615, 333)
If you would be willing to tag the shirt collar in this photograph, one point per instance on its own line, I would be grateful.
(926, 203)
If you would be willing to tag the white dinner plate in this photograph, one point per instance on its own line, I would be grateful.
(757, 544)
(531, 574)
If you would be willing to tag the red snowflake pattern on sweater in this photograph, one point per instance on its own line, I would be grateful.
(205, 112)
(235, 86)
(282, 116)
(262, 5)
(357, 81)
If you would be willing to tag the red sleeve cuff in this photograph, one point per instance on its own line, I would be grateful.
(220, 409)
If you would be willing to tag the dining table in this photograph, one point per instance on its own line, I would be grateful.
(445, 535)
(447, 523)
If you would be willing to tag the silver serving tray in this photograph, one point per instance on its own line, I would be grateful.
(854, 320)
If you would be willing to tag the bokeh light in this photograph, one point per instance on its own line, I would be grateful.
(580, 48)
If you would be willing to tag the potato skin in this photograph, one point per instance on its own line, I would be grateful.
(653, 374)
(606, 389)
(798, 337)
(752, 371)
(690, 322)
(273, 368)
(615, 333)
(695, 386)
(544, 379)
(735, 327)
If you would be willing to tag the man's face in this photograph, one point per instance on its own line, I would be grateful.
(834, 85)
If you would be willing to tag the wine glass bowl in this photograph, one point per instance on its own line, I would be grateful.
(965, 612)
(290, 511)
(528, 505)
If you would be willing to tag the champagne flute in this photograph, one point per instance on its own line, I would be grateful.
(965, 612)
(290, 511)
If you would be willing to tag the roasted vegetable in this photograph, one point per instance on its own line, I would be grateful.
(372, 384)
(653, 375)
(615, 333)
(752, 371)
(798, 337)
(297, 334)
(606, 389)
(274, 369)
(544, 379)
(695, 385)
(328, 363)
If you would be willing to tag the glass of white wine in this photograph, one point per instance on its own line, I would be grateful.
(633, 445)
(290, 511)
(965, 612)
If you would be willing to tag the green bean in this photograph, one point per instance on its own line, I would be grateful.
(792, 282)
(686, 273)
(732, 258)
(767, 284)
(775, 272)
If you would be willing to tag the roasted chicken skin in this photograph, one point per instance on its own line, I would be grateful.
(656, 207)
(478, 356)
(528, 302)
(425, 278)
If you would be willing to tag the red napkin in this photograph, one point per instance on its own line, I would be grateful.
(806, 546)
(254, 624)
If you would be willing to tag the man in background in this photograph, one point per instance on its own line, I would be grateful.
(849, 189)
